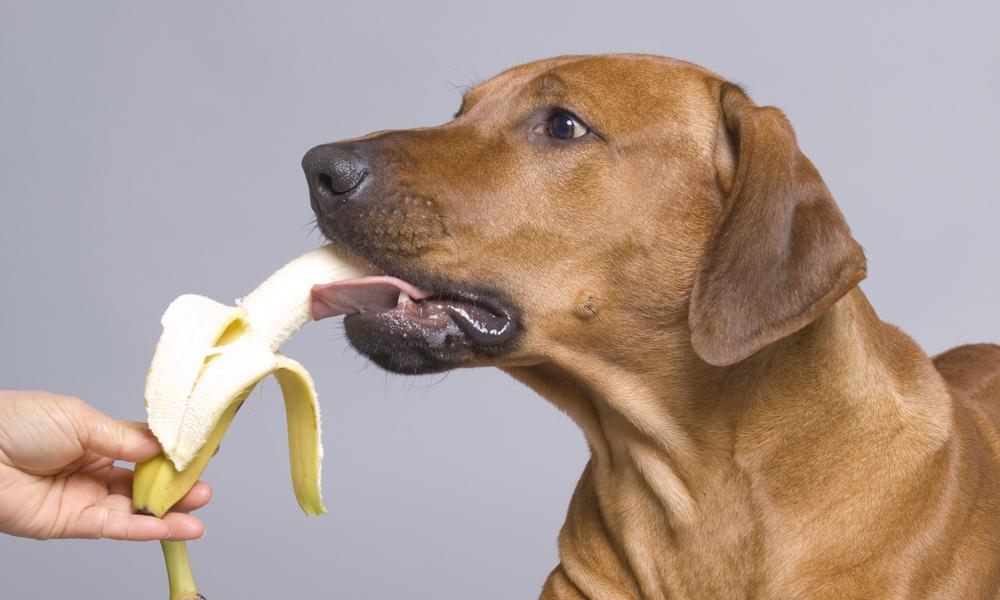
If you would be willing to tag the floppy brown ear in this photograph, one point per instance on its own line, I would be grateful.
(781, 253)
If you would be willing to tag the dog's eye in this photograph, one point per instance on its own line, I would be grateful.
(564, 126)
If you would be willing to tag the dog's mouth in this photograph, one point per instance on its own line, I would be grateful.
(404, 327)
(482, 321)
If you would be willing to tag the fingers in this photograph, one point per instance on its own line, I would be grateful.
(126, 440)
(199, 496)
(45, 432)
(183, 527)
(141, 444)
(112, 521)
(120, 483)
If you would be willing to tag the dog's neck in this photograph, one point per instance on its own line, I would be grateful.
(679, 446)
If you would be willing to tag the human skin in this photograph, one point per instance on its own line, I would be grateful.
(58, 477)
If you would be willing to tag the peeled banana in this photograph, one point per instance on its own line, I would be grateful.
(207, 361)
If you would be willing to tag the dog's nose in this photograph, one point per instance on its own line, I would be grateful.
(336, 173)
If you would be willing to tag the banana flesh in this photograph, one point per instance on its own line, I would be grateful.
(209, 358)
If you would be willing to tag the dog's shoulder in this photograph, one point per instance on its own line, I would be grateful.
(972, 370)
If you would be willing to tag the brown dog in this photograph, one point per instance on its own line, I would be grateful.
(635, 239)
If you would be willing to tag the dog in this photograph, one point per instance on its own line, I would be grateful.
(636, 240)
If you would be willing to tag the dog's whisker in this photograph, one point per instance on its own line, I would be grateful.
(457, 87)
(310, 224)
(454, 242)
(432, 381)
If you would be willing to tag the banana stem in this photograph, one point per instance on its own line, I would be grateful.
(179, 575)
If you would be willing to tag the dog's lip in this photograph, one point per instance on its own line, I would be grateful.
(484, 321)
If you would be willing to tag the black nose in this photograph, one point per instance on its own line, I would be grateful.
(335, 173)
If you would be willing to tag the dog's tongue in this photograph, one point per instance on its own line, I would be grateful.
(367, 294)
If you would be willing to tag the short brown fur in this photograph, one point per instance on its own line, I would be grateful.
(687, 294)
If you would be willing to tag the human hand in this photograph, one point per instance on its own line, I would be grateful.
(58, 479)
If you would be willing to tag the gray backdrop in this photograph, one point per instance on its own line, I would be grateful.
(149, 150)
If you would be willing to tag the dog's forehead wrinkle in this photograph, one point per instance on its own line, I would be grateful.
(512, 82)
(549, 89)
(550, 83)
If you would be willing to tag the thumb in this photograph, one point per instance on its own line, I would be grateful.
(125, 440)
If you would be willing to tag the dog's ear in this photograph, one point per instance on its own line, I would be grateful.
(781, 253)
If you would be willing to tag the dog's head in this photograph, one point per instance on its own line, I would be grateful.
(592, 203)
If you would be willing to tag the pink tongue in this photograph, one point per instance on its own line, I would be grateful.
(367, 294)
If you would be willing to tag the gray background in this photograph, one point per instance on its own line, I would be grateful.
(149, 150)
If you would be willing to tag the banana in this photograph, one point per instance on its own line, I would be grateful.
(183, 394)
(209, 358)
